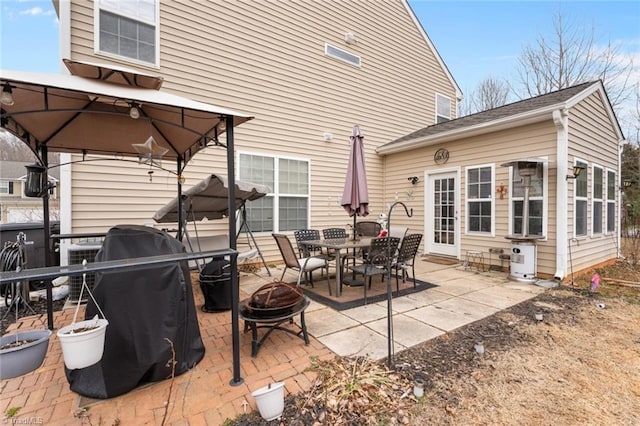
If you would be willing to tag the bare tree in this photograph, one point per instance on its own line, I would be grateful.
(492, 92)
(572, 57)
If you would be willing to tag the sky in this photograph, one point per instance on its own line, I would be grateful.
(475, 39)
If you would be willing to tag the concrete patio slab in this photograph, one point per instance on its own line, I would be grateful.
(500, 297)
(407, 331)
(359, 341)
(367, 313)
(326, 321)
(460, 286)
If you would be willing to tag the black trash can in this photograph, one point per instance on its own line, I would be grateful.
(215, 283)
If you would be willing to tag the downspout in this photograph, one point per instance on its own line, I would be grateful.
(619, 187)
(561, 121)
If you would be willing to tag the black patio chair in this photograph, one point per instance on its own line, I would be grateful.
(406, 258)
(305, 250)
(332, 233)
(304, 266)
(379, 257)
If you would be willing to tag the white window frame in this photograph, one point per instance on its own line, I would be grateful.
(577, 198)
(544, 197)
(106, 5)
(490, 199)
(442, 97)
(4, 187)
(595, 200)
(357, 61)
(276, 194)
(611, 199)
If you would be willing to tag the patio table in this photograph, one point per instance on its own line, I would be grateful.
(339, 244)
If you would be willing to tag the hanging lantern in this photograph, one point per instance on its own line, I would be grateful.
(36, 184)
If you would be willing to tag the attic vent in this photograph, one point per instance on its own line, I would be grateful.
(343, 55)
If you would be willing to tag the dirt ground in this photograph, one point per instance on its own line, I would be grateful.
(579, 365)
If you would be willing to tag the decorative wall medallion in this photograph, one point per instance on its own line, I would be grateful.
(441, 156)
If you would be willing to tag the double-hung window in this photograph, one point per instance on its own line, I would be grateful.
(611, 201)
(581, 200)
(537, 208)
(479, 199)
(286, 208)
(598, 195)
(128, 29)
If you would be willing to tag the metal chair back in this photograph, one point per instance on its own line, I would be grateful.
(306, 235)
(331, 233)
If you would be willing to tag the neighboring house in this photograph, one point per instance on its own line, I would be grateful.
(14, 205)
(308, 71)
(472, 202)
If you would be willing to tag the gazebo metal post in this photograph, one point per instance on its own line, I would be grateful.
(47, 235)
(235, 290)
(181, 216)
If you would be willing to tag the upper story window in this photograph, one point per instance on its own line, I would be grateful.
(343, 55)
(479, 199)
(581, 194)
(443, 108)
(287, 207)
(128, 29)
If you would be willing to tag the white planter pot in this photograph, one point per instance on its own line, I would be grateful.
(270, 400)
(85, 348)
(21, 360)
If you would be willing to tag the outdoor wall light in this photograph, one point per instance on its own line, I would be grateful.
(414, 180)
(134, 112)
(327, 137)
(7, 95)
(350, 38)
(576, 172)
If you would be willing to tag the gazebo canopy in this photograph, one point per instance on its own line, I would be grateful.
(69, 113)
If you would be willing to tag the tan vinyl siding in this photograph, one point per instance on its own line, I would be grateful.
(267, 59)
(592, 139)
(535, 140)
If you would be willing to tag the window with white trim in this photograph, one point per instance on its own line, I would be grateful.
(128, 29)
(597, 190)
(611, 201)
(536, 202)
(581, 201)
(479, 199)
(6, 187)
(287, 207)
(443, 108)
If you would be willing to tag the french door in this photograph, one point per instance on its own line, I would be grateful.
(442, 213)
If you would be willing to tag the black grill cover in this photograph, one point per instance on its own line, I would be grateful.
(144, 307)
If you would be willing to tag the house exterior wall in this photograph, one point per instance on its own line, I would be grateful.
(592, 139)
(267, 59)
(492, 149)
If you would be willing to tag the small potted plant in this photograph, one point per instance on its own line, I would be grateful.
(83, 342)
(22, 352)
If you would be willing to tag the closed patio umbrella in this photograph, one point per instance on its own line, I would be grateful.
(355, 198)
